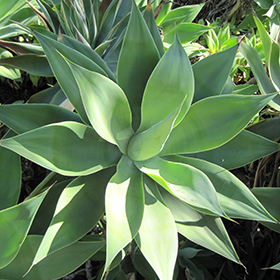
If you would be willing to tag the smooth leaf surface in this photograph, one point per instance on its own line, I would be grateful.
(184, 182)
(204, 230)
(54, 266)
(243, 149)
(24, 117)
(211, 82)
(158, 234)
(206, 125)
(81, 198)
(68, 148)
(124, 203)
(235, 198)
(106, 106)
(31, 63)
(14, 225)
(138, 57)
(10, 183)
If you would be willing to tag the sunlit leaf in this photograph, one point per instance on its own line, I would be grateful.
(204, 230)
(81, 198)
(68, 148)
(24, 117)
(10, 183)
(184, 182)
(206, 126)
(210, 83)
(14, 225)
(243, 149)
(54, 266)
(106, 106)
(235, 198)
(124, 207)
(158, 234)
(138, 57)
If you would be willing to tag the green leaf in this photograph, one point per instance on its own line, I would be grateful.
(124, 203)
(54, 266)
(269, 198)
(31, 63)
(106, 106)
(10, 7)
(10, 183)
(243, 149)
(138, 57)
(204, 230)
(54, 51)
(235, 198)
(157, 237)
(211, 83)
(14, 225)
(81, 198)
(24, 117)
(186, 32)
(67, 148)
(184, 182)
(212, 122)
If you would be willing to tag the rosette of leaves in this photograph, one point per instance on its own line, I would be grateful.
(122, 153)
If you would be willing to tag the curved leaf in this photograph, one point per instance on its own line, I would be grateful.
(24, 117)
(184, 182)
(204, 230)
(138, 57)
(213, 121)
(235, 198)
(67, 148)
(10, 183)
(124, 203)
(14, 225)
(210, 83)
(243, 149)
(106, 106)
(31, 63)
(81, 198)
(55, 266)
(157, 235)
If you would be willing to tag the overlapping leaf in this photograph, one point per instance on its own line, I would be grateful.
(106, 106)
(206, 126)
(185, 182)
(14, 225)
(124, 207)
(235, 198)
(205, 230)
(68, 148)
(10, 183)
(81, 198)
(138, 57)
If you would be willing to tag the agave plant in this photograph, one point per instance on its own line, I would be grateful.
(121, 158)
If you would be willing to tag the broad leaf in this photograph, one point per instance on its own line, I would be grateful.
(106, 106)
(31, 63)
(158, 234)
(68, 148)
(124, 207)
(10, 183)
(243, 149)
(24, 117)
(14, 225)
(54, 266)
(235, 198)
(81, 198)
(138, 57)
(210, 83)
(205, 127)
(204, 230)
(184, 182)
